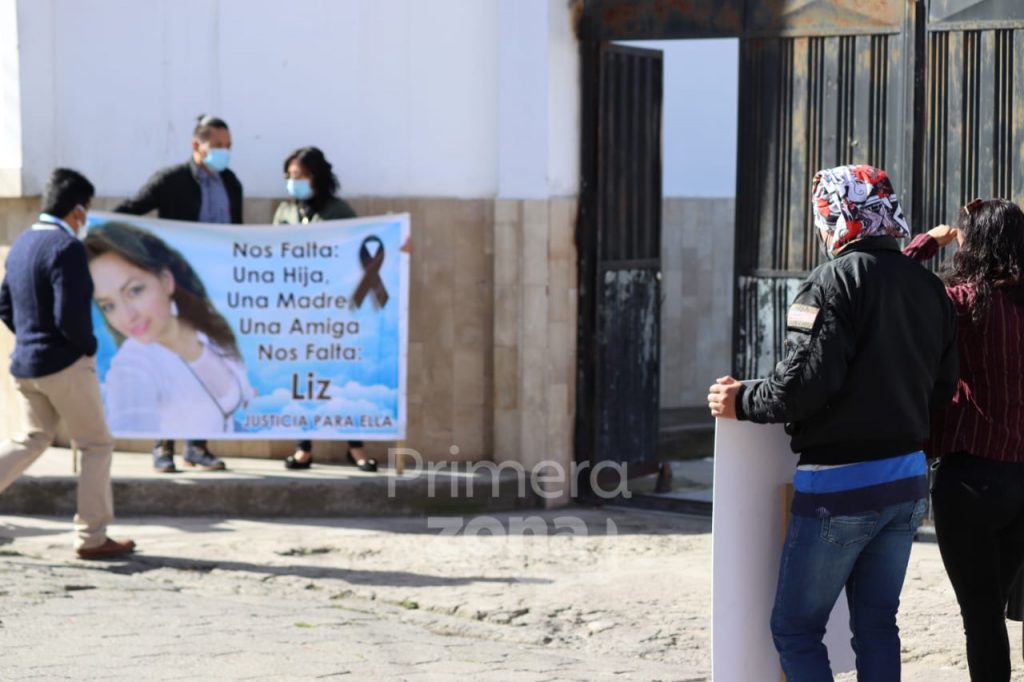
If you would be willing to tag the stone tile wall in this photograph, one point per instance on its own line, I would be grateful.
(15, 216)
(535, 299)
(697, 283)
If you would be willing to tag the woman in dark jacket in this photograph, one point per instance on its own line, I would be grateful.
(978, 494)
(313, 188)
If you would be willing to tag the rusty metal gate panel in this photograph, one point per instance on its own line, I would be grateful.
(621, 292)
(782, 18)
(974, 14)
(604, 20)
(974, 112)
(821, 85)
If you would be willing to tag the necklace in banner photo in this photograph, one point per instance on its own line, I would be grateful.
(225, 414)
(371, 280)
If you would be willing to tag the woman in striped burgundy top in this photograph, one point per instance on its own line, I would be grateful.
(978, 496)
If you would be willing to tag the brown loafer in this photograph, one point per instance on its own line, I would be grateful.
(109, 549)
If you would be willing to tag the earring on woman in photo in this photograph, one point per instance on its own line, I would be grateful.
(174, 308)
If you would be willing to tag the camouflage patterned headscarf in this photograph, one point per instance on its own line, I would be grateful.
(855, 202)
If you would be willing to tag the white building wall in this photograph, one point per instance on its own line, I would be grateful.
(539, 101)
(10, 101)
(563, 122)
(404, 96)
(432, 107)
(523, 101)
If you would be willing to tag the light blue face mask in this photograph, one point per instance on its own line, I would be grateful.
(217, 159)
(299, 188)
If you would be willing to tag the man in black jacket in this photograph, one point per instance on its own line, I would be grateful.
(870, 355)
(46, 300)
(186, 191)
(204, 190)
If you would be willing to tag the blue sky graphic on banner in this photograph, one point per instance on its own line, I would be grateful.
(302, 331)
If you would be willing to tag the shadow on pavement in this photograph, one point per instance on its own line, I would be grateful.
(143, 563)
(569, 520)
(10, 532)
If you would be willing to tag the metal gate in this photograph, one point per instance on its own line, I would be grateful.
(820, 86)
(974, 111)
(929, 90)
(620, 291)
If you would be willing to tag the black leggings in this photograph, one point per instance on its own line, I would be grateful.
(979, 523)
(307, 445)
(1015, 602)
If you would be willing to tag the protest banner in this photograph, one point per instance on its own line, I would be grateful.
(251, 331)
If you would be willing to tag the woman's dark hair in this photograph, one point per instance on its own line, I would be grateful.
(325, 182)
(992, 254)
(66, 189)
(150, 253)
(204, 124)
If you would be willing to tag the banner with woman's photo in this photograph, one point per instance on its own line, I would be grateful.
(251, 331)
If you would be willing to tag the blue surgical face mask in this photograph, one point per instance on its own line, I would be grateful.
(299, 188)
(217, 159)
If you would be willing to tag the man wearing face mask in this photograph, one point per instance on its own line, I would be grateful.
(46, 300)
(204, 190)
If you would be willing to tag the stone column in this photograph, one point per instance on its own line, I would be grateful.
(535, 300)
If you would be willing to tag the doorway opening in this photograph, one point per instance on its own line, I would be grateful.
(698, 211)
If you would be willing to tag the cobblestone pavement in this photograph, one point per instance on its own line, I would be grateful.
(626, 596)
(356, 599)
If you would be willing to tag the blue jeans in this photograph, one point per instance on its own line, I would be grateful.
(868, 554)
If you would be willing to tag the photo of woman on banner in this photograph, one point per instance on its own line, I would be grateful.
(177, 370)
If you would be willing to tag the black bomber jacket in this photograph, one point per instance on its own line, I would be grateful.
(870, 354)
(175, 194)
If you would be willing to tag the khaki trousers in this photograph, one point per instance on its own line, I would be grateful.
(72, 394)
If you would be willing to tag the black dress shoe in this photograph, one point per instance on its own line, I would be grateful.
(291, 463)
(365, 465)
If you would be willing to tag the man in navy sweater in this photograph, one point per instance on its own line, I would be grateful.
(46, 299)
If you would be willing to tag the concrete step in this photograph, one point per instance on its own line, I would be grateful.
(258, 487)
(686, 444)
(685, 433)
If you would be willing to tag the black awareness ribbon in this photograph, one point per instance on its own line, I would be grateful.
(371, 274)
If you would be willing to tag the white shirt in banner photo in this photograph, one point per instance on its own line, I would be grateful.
(151, 389)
